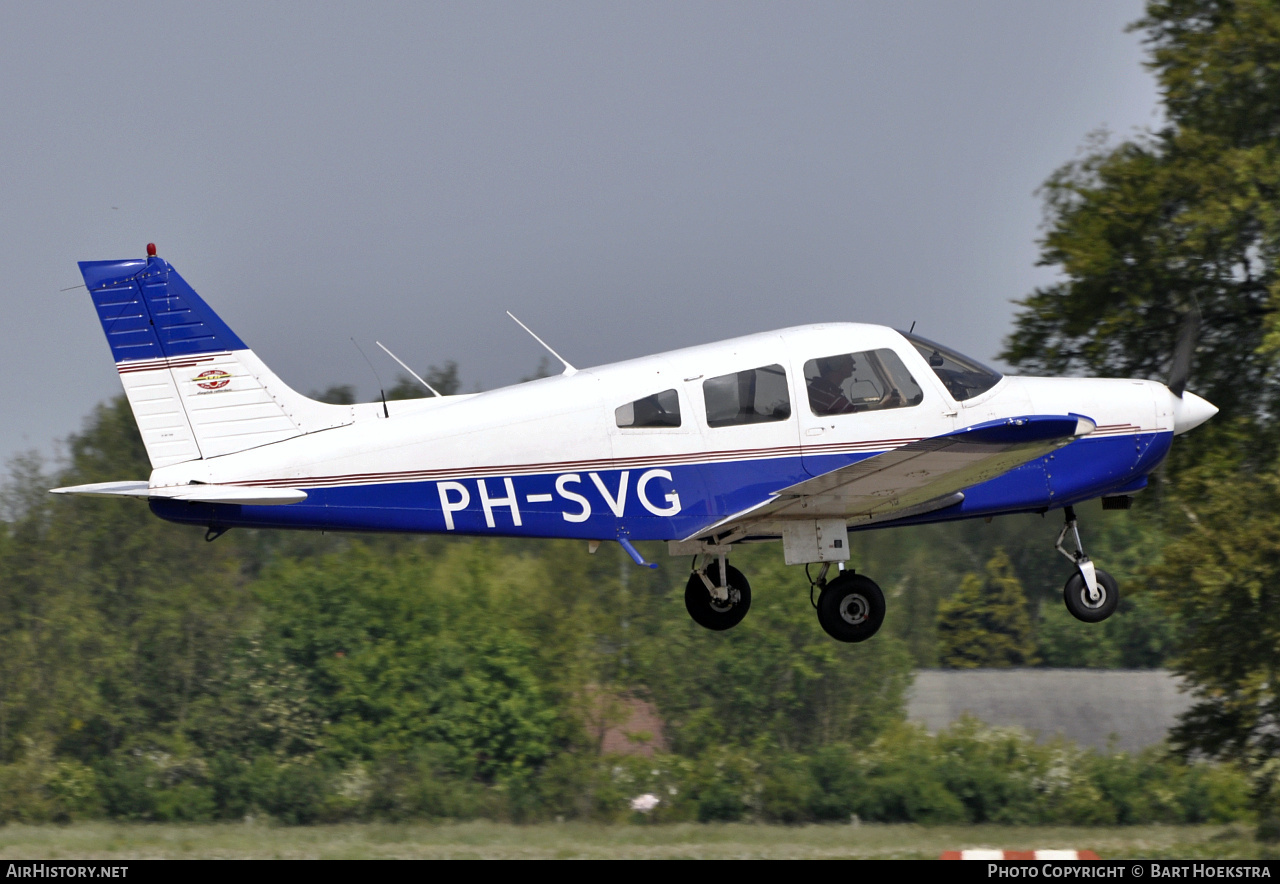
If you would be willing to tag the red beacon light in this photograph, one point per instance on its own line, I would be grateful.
(151, 250)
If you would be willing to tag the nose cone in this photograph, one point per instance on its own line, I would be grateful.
(1190, 411)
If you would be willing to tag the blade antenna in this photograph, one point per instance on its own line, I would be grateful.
(381, 391)
(568, 369)
(407, 368)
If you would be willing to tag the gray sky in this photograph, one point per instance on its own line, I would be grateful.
(625, 177)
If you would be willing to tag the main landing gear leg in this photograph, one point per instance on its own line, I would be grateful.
(850, 608)
(1091, 594)
(717, 596)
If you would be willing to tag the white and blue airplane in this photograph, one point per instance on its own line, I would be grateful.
(798, 435)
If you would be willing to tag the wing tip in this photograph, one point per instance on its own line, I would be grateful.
(1084, 425)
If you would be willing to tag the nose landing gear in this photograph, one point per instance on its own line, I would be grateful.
(1091, 594)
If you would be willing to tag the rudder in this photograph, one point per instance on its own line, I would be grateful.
(196, 390)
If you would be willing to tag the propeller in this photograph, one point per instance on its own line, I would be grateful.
(1188, 336)
(1189, 410)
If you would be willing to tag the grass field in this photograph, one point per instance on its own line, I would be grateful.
(477, 840)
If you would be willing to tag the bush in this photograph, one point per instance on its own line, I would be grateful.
(22, 795)
(420, 786)
(788, 790)
(838, 781)
(725, 786)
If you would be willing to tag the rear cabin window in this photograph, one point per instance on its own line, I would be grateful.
(872, 380)
(659, 410)
(754, 396)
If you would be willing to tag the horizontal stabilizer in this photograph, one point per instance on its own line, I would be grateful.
(107, 489)
(242, 494)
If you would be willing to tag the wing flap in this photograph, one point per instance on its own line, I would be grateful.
(917, 478)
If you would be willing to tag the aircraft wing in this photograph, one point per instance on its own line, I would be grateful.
(917, 478)
(243, 494)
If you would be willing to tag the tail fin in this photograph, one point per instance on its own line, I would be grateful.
(196, 390)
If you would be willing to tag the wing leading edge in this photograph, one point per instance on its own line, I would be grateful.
(917, 478)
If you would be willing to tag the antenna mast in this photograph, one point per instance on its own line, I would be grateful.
(568, 369)
(381, 392)
(407, 368)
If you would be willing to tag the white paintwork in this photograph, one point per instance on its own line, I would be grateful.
(192, 493)
(257, 431)
(186, 416)
(1190, 411)
(107, 489)
(570, 418)
(162, 421)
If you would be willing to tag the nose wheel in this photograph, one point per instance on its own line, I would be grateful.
(1085, 607)
(1091, 594)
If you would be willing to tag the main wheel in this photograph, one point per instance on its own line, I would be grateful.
(1076, 596)
(710, 612)
(851, 608)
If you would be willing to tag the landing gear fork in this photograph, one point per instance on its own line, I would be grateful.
(717, 595)
(1091, 594)
(719, 592)
(1078, 556)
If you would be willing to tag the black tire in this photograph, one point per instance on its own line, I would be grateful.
(711, 613)
(851, 608)
(1076, 596)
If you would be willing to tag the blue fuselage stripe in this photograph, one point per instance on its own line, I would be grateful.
(662, 503)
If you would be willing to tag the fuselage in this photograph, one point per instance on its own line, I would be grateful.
(643, 449)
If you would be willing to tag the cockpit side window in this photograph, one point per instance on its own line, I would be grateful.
(754, 396)
(853, 382)
(963, 377)
(659, 410)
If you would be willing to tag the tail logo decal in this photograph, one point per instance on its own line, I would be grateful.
(213, 379)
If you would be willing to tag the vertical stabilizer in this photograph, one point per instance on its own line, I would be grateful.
(196, 390)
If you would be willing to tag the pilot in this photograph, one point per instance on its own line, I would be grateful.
(826, 389)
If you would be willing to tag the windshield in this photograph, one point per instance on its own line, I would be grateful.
(963, 377)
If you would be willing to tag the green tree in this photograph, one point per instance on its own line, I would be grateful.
(406, 651)
(338, 394)
(986, 623)
(444, 379)
(776, 680)
(1189, 214)
(1140, 231)
(116, 626)
(544, 370)
(1223, 579)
